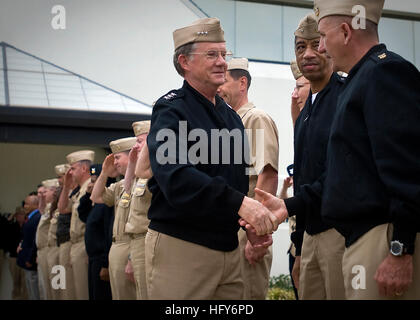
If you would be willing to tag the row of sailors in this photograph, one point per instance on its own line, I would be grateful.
(68, 237)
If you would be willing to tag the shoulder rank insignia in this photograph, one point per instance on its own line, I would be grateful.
(169, 96)
(382, 56)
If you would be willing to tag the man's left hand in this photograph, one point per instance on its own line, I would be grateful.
(394, 275)
(254, 255)
(258, 241)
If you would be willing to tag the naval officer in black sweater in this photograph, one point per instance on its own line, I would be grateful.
(199, 187)
(372, 187)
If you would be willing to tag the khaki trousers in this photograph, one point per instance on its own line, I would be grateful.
(181, 270)
(80, 263)
(121, 287)
(52, 260)
(256, 277)
(64, 260)
(43, 274)
(321, 274)
(364, 257)
(138, 261)
(19, 291)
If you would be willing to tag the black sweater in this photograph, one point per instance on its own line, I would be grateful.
(373, 155)
(312, 129)
(198, 202)
(98, 234)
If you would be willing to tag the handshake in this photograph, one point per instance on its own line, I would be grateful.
(261, 218)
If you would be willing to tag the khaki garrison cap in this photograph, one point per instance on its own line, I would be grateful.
(295, 70)
(373, 8)
(124, 144)
(308, 28)
(50, 183)
(238, 63)
(80, 155)
(141, 127)
(61, 169)
(202, 30)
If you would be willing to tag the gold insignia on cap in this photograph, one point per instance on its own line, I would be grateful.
(307, 28)
(316, 10)
(382, 56)
(202, 30)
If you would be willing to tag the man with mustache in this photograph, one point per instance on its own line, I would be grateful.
(319, 248)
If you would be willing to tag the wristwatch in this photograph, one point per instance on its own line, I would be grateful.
(397, 248)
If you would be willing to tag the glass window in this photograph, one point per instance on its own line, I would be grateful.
(225, 11)
(259, 31)
(19, 61)
(398, 36)
(292, 17)
(132, 106)
(27, 89)
(101, 99)
(65, 90)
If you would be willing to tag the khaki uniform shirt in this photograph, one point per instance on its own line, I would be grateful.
(77, 227)
(52, 231)
(261, 153)
(116, 196)
(41, 238)
(141, 197)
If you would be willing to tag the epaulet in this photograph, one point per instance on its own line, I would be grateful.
(171, 95)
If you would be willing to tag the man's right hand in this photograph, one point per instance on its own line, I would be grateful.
(129, 272)
(134, 152)
(274, 204)
(104, 274)
(108, 167)
(68, 180)
(258, 216)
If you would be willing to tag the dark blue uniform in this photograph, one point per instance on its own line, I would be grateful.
(29, 249)
(373, 155)
(312, 130)
(98, 240)
(198, 203)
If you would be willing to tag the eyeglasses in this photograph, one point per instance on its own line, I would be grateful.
(212, 55)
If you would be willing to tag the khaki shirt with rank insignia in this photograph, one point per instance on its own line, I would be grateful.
(77, 226)
(41, 238)
(266, 153)
(137, 222)
(116, 196)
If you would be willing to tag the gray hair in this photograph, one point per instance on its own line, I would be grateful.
(186, 50)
